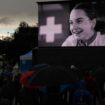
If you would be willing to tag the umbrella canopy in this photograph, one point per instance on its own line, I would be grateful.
(39, 67)
(33, 71)
(51, 76)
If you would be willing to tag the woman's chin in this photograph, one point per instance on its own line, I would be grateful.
(79, 36)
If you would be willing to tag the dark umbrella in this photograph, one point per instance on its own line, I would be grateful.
(39, 67)
(51, 76)
(48, 79)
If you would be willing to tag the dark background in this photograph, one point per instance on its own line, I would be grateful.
(83, 58)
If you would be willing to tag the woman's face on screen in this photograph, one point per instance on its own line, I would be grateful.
(81, 25)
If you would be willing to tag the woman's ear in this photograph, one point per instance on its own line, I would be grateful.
(93, 23)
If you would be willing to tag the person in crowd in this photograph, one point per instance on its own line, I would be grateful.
(7, 90)
(17, 85)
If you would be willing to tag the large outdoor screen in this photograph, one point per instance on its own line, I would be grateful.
(54, 23)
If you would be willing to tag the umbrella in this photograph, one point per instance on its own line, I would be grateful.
(39, 67)
(33, 71)
(51, 76)
(49, 79)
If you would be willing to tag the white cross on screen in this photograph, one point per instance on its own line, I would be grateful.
(50, 29)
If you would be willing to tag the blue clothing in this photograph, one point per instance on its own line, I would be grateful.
(65, 87)
(82, 97)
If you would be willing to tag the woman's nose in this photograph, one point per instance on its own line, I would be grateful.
(74, 26)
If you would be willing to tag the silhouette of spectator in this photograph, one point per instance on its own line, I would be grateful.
(17, 85)
(92, 86)
(8, 90)
(100, 79)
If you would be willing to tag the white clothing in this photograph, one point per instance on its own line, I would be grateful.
(72, 40)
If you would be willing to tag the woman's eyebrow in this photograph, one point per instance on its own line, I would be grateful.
(80, 18)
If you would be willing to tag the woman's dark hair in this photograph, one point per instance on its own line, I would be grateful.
(88, 7)
(93, 10)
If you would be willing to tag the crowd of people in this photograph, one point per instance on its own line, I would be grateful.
(9, 86)
(15, 89)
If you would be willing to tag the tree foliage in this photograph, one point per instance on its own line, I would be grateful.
(23, 40)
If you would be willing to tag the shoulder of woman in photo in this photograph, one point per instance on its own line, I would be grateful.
(100, 39)
(71, 40)
(100, 29)
(101, 35)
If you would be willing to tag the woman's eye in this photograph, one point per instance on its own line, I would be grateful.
(79, 21)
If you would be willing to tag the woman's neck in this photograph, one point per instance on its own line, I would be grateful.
(90, 34)
(91, 38)
(86, 42)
